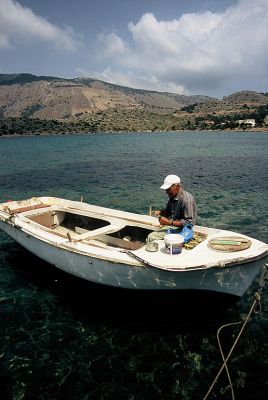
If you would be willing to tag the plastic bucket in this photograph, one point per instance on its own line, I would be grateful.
(173, 243)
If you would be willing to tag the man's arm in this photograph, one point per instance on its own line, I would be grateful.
(189, 212)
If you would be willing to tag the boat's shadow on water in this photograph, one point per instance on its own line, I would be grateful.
(120, 307)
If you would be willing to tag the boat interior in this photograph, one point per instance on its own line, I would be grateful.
(75, 226)
(101, 227)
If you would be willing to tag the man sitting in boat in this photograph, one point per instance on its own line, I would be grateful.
(180, 209)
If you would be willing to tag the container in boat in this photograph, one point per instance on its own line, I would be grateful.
(173, 243)
(151, 246)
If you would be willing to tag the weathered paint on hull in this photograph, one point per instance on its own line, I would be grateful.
(232, 280)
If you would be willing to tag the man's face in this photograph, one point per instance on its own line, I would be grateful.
(173, 190)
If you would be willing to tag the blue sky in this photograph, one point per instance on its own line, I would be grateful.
(212, 47)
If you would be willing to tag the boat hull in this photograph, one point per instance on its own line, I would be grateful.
(228, 280)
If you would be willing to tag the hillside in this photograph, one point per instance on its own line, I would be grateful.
(40, 104)
(57, 98)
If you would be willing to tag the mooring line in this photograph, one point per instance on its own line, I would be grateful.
(256, 303)
(222, 355)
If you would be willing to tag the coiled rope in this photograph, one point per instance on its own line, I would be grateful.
(256, 308)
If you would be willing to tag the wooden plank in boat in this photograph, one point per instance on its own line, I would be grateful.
(117, 242)
(27, 208)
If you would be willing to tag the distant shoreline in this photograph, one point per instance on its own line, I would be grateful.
(263, 130)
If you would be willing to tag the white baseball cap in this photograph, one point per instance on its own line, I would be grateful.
(169, 181)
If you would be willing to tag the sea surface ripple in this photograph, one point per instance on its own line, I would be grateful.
(62, 338)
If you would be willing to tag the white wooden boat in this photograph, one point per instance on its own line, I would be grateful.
(108, 247)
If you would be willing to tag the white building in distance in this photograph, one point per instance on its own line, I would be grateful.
(251, 122)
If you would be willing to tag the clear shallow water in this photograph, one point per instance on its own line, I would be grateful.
(66, 339)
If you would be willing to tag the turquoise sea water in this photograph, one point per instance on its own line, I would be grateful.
(61, 338)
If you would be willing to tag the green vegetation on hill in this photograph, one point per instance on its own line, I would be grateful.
(30, 126)
(230, 120)
(118, 120)
(12, 79)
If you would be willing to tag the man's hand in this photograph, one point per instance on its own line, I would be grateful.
(164, 221)
(157, 213)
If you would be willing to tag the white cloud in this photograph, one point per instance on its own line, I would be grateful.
(20, 26)
(112, 45)
(127, 78)
(196, 51)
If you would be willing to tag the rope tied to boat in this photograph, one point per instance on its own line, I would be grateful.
(255, 308)
(10, 216)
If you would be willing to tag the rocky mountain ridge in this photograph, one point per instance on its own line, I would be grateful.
(63, 99)
(44, 104)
